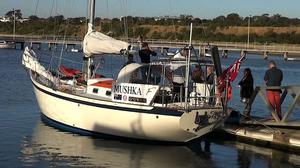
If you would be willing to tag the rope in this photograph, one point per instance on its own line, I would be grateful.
(274, 131)
(68, 60)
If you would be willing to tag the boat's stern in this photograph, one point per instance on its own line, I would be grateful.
(202, 121)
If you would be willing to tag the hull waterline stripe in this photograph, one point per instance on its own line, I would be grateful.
(155, 110)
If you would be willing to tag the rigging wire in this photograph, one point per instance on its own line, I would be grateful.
(125, 23)
(36, 8)
(65, 34)
(108, 15)
(126, 19)
(173, 23)
(52, 53)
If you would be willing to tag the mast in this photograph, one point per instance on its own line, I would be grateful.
(90, 28)
(92, 4)
(188, 69)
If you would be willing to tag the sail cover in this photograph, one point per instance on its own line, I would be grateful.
(30, 61)
(99, 43)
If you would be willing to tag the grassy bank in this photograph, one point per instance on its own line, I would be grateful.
(287, 35)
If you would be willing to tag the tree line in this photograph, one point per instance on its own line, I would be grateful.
(173, 28)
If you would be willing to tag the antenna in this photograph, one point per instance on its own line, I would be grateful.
(188, 69)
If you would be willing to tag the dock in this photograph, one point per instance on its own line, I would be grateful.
(284, 50)
(274, 132)
(279, 138)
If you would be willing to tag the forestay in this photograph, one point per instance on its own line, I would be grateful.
(98, 43)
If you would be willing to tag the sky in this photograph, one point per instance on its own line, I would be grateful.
(116, 8)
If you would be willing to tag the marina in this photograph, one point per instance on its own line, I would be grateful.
(145, 92)
(26, 113)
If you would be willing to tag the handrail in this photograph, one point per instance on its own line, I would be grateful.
(293, 90)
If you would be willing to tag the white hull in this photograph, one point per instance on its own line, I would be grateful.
(133, 121)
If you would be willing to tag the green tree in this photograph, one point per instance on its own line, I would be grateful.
(233, 19)
(17, 13)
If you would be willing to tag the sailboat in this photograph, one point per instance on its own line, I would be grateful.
(140, 104)
(6, 45)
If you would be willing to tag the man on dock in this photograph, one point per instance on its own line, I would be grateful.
(273, 77)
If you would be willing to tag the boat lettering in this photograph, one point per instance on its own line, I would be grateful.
(137, 99)
(127, 90)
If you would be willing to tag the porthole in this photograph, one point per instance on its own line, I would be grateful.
(95, 90)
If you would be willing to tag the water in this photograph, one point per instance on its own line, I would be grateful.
(26, 141)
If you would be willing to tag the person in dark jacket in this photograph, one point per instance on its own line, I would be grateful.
(210, 75)
(145, 53)
(273, 77)
(130, 60)
(246, 91)
(197, 74)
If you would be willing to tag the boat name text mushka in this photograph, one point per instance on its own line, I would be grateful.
(127, 90)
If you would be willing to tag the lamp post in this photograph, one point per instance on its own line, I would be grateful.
(249, 18)
(14, 29)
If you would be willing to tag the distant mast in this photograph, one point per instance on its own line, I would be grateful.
(248, 39)
(14, 30)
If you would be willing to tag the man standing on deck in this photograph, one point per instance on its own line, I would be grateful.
(145, 53)
(273, 77)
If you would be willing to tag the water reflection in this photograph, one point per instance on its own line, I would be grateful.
(51, 147)
(257, 156)
(55, 148)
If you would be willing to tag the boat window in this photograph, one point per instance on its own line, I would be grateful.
(95, 90)
(108, 93)
(137, 77)
(147, 74)
(154, 75)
